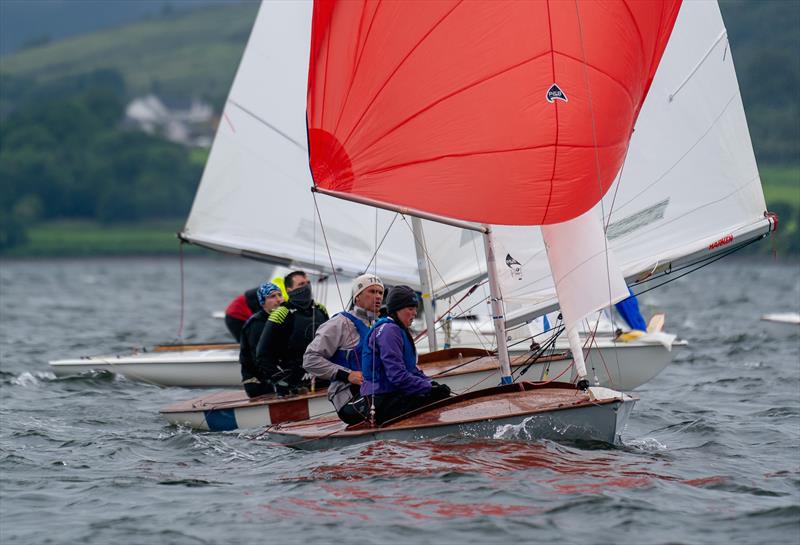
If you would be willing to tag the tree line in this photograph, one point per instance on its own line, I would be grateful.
(64, 155)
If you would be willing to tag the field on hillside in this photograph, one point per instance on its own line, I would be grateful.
(782, 184)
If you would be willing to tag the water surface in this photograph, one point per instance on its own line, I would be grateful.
(711, 455)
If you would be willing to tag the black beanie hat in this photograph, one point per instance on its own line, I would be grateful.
(400, 297)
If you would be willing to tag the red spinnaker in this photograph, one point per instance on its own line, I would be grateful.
(515, 112)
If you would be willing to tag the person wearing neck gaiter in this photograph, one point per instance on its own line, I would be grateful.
(289, 329)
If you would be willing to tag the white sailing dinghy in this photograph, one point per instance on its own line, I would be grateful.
(217, 365)
(475, 134)
(783, 317)
(462, 369)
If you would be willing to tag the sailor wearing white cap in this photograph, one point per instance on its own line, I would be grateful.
(335, 352)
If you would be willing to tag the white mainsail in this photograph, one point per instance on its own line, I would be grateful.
(254, 196)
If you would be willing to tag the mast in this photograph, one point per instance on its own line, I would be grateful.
(424, 281)
(498, 318)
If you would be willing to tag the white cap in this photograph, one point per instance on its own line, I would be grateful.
(363, 282)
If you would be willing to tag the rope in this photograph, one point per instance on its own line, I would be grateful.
(599, 180)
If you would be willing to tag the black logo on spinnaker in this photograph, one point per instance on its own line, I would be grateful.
(515, 266)
(555, 93)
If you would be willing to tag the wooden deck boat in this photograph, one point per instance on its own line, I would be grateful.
(463, 370)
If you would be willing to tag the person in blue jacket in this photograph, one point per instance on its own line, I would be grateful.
(391, 377)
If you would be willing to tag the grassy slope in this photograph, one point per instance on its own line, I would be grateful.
(75, 238)
(781, 184)
(186, 55)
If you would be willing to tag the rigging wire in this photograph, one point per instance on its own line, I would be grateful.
(380, 245)
(439, 274)
(328, 249)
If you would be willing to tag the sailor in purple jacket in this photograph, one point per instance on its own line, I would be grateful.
(389, 362)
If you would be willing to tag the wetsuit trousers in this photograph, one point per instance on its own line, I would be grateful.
(354, 412)
(255, 389)
(394, 404)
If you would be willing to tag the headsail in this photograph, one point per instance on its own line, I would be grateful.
(495, 112)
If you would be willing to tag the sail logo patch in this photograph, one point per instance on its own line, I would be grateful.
(555, 93)
(727, 239)
(514, 266)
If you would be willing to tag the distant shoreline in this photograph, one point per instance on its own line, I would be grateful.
(154, 238)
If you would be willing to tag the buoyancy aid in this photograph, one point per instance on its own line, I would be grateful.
(351, 358)
(375, 373)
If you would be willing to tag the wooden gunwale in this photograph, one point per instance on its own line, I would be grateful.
(306, 429)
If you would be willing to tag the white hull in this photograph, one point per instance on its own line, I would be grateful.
(211, 368)
(783, 317)
(623, 366)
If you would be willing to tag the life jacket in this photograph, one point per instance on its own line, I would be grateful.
(370, 352)
(244, 306)
(351, 358)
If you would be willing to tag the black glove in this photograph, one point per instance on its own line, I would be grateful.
(282, 388)
(440, 391)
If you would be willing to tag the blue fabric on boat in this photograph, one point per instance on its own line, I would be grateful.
(629, 310)
(221, 419)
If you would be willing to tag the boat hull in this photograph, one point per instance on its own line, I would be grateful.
(620, 365)
(562, 415)
(460, 369)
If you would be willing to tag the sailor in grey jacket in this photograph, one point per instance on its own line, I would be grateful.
(335, 352)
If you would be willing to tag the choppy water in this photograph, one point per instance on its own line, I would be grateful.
(712, 450)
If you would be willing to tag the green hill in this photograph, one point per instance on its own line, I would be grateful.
(194, 54)
(63, 155)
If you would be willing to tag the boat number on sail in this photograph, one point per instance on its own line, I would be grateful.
(515, 267)
(555, 93)
(727, 239)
